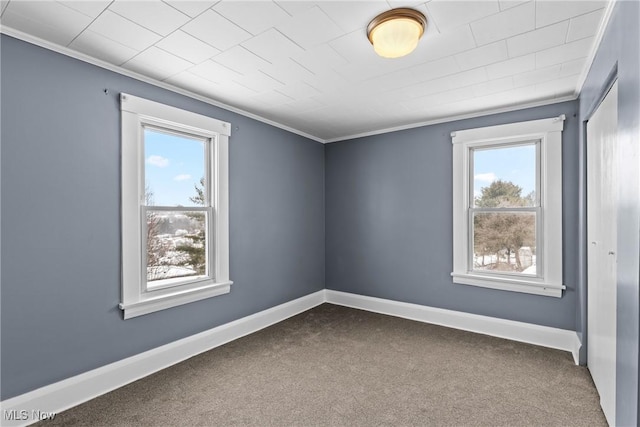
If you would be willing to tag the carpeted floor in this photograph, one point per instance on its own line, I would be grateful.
(343, 367)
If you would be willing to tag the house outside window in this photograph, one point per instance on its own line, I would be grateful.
(507, 207)
(175, 236)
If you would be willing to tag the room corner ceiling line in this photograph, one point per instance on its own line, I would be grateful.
(123, 71)
(128, 73)
(608, 10)
(310, 72)
(544, 55)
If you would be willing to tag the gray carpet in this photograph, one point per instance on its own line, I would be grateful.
(343, 367)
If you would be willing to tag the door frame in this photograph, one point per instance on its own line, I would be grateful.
(583, 243)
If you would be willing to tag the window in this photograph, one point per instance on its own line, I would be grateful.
(507, 207)
(175, 233)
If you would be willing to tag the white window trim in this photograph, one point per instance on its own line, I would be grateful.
(135, 111)
(549, 132)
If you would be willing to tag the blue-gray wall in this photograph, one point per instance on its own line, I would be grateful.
(389, 221)
(387, 218)
(60, 177)
(620, 50)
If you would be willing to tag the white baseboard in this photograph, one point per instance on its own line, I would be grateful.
(544, 336)
(52, 399)
(55, 398)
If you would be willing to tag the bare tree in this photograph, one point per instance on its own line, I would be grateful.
(504, 232)
(163, 253)
(155, 247)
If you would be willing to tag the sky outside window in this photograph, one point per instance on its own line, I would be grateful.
(514, 164)
(173, 166)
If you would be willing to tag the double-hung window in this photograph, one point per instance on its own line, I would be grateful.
(507, 207)
(175, 244)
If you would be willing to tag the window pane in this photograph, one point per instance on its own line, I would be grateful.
(174, 169)
(504, 177)
(176, 244)
(504, 242)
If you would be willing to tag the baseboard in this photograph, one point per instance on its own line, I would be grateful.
(52, 399)
(544, 336)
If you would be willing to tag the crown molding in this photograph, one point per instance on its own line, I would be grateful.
(456, 118)
(120, 70)
(164, 85)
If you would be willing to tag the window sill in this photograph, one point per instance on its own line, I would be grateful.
(146, 305)
(510, 284)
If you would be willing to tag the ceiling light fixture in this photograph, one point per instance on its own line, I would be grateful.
(396, 32)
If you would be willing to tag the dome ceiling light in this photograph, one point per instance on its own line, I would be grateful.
(395, 33)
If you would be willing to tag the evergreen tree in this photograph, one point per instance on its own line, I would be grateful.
(197, 251)
(198, 199)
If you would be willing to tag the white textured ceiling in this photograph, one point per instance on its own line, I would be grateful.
(308, 65)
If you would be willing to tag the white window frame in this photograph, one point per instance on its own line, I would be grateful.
(548, 132)
(136, 114)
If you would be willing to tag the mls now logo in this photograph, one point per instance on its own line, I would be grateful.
(24, 415)
(15, 415)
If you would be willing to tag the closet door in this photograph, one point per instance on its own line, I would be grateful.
(602, 184)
